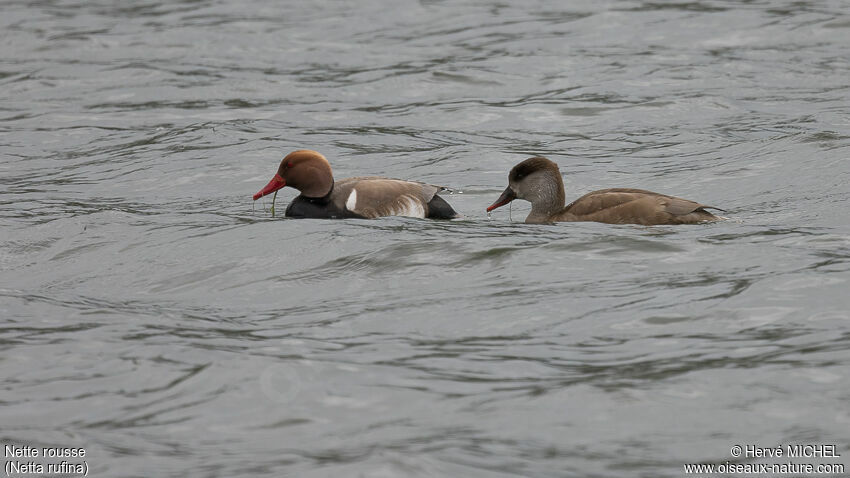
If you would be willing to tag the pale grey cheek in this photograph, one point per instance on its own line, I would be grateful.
(516, 189)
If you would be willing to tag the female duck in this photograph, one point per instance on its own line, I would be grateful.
(362, 197)
(538, 181)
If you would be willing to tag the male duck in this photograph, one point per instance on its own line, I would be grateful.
(362, 197)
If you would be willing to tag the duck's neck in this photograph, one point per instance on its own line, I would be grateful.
(323, 199)
(548, 199)
(316, 181)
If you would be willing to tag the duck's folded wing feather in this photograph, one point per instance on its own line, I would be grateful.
(604, 199)
(622, 205)
(373, 197)
(678, 206)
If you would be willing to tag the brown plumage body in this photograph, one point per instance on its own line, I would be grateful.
(539, 181)
(378, 197)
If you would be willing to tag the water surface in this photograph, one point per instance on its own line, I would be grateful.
(154, 316)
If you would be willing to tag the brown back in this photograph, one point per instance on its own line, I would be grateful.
(376, 196)
(634, 206)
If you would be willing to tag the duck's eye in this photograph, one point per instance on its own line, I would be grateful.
(289, 164)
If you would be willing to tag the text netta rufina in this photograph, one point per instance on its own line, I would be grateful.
(538, 181)
(363, 197)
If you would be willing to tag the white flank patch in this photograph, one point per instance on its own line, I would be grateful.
(409, 207)
(351, 202)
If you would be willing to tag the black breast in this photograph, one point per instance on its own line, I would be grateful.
(317, 208)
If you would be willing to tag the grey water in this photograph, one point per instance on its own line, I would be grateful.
(154, 316)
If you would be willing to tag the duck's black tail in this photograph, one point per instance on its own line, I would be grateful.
(438, 208)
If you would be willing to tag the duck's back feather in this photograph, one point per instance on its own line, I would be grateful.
(634, 206)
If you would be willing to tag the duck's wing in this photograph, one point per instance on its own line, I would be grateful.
(636, 206)
(372, 197)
